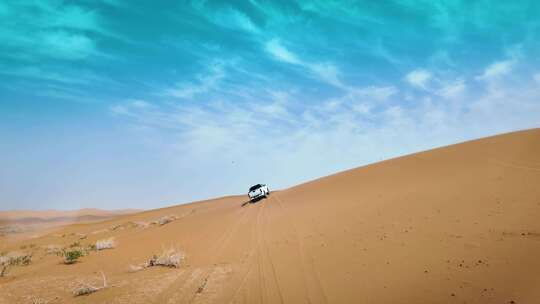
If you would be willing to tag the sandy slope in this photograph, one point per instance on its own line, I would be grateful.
(460, 224)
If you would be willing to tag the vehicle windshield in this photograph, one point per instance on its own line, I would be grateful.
(255, 187)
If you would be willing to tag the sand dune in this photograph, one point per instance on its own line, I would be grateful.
(22, 224)
(459, 224)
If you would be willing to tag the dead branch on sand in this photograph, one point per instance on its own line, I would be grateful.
(87, 289)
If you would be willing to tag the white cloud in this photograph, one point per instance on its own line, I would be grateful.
(275, 48)
(230, 18)
(496, 70)
(418, 78)
(205, 83)
(452, 90)
(292, 140)
(324, 71)
(327, 72)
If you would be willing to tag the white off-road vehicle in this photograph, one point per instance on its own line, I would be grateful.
(258, 191)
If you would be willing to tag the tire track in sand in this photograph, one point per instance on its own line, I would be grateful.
(260, 260)
(250, 259)
(306, 260)
(265, 250)
(179, 288)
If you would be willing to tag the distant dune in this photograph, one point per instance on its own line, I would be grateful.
(459, 224)
(15, 215)
(20, 224)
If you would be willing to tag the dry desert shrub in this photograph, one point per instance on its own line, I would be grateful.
(16, 259)
(165, 220)
(4, 270)
(167, 258)
(86, 289)
(36, 300)
(117, 227)
(13, 259)
(105, 244)
(3, 265)
(140, 224)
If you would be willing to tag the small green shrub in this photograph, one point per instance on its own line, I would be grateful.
(72, 255)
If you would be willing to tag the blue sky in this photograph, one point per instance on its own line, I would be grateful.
(138, 104)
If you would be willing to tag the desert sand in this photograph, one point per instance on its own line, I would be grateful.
(24, 224)
(458, 224)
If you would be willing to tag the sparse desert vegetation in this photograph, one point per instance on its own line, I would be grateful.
(165, 220)
(13, 259)
(232, 246)
(3, 269)
(105, 244)
(116, 227)
(167, 258)
(87, 289)
(16, 258)
(140, 224)
(38, 300)
(72, 254)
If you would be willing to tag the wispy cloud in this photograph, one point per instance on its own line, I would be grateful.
(496, 70)
(324, 71)
(275, 48)
(47, 29)
(452, 90)
(205, 82)
(233, 19)
(418, 78)
(303, 89)
(281, 134)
